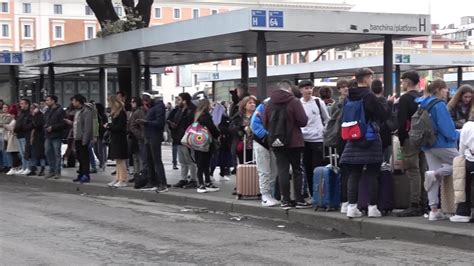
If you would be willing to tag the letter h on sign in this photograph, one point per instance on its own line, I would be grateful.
(422, 24)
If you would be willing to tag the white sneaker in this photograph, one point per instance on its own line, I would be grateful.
(353, 211)
(344, 207)
(225, 178)
(120, 184)
(11, 172)
(268, 201)
(202, 189)
(19, 171)
(430, 177)
(26, 171)
(437, 216)
(374, 212)
(460, 219)
(111, 184)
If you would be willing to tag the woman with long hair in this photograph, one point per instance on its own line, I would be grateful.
(136, 135)
(5, 119)
(240, 127)
(460, 105)
(12, 142)
(99, 146)
(203, 159)
(118, 150)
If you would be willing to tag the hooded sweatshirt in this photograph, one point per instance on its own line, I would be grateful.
(446, 134)
(256, 123)
(295, 114)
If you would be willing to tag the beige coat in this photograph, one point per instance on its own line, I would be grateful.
(12, 145)
(459, 179)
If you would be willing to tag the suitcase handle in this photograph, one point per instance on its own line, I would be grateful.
(245, 151)
(332, 156)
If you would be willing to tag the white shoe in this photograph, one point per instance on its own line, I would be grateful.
(26, 171)
(217, 179)
(344, 207)
(19, 171)
(225, 178)
(201, 189)
(460, 219)
(437, 216)
(268, 201)
(374, 212)
(11, 172)
(111, 184)
(120, 184)
(353, 211)
(430, 177)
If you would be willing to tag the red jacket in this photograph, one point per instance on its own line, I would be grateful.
(295, 113)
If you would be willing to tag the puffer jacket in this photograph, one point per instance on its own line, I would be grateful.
(459, 179)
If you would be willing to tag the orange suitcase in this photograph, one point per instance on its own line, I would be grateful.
(247, 185)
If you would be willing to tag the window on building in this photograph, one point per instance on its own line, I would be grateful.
(58, 9)
(177, 13)
(324, 57)
(4, 7)
(58, 32)
(158, 12)
(276, 60)
(90, 32)
(214, 11)
(340, 56)
(27, 31)
(119, 11)
(356, 54)
(251, 61)
(89, 11)
(233, 62)
(288, 59)
(195, 13)
(5, 30)
(26, 8)
(302, 57)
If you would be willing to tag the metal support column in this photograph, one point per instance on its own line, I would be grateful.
(261, 66)
(397, 80)
(459, 76)
(51, 79)
(147, 78)
(14, 84)
(39, 92)
(136, 73)
(388, 65)
(102, 84)
(244, 69)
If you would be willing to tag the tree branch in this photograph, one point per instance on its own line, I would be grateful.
(104, 10)
(323, 51)
(143, 9)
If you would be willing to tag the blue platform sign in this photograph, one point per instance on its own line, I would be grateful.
(46, 55)
(5, 58)
(17, 58)
(259, 18)
(275, 19)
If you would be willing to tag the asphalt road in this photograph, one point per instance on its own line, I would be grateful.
(43, 228)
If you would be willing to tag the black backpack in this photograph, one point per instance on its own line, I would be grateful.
(278, 136)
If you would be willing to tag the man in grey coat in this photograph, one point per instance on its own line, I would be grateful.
(83, 136)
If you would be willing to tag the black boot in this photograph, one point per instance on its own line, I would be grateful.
(41, 173)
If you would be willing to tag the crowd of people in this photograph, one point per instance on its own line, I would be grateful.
(285, 135)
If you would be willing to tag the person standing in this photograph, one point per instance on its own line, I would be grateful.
(413, 157)
(181, 121)
(83, 136)
(12, 142)
(154, 125)
(288, 127)
(240, 128)
(317, 113)
(54, 131)
(364, 153)
(171, 126)
(460, 105)
(137, 135)
(441, 154)
(38, 158)
(99, 145)
(203, 159)
(23, 129)
(118, 136)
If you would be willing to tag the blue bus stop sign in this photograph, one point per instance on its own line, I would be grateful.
(5, 58)
(276, 19)
(17, 58)
(259, 18)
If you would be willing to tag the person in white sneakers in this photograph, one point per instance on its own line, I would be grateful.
(264, 157)
(441, 154)
(466, 148)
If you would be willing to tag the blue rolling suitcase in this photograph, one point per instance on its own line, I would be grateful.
(327, 185)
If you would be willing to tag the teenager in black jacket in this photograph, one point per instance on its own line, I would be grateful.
(203, 159)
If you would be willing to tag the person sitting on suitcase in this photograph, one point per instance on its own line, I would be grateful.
(264, 157)
(441, 153)
(363, 150)
(317, 113)
(284, 117)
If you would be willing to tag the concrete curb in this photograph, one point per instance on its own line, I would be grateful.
(407, 229)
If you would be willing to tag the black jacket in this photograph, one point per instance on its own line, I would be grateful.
(460, 117)
(155, 121)
(406, 108)
(118, 137)
(24, 124)
(385, 132)
(37, 136)
(183, 119)
(206, 120)
(55, 119)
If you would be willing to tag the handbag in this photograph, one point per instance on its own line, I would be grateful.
(197, 137)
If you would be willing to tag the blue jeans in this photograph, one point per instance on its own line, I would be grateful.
(7, 158)
(53, 155)
(175, 155)
(25, 164)
(92, 157)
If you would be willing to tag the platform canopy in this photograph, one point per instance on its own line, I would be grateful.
(231, 34)
(347, 67)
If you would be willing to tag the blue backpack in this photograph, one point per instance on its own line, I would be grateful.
(354, 125)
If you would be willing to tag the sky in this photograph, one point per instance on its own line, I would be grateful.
(443, 12)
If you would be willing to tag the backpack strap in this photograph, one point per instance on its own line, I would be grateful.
(319, 107)
(432, 104)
